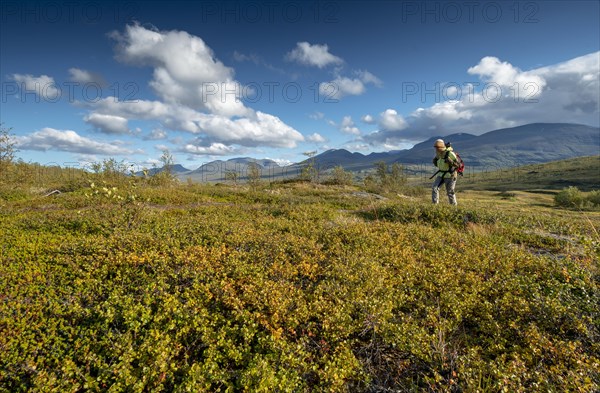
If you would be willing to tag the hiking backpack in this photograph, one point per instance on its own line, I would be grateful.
(459, 167)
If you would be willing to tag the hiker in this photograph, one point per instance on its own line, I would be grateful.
(446, 162)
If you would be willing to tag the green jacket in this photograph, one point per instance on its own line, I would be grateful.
(444, 166)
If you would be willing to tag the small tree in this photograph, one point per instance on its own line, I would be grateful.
(7, 147)
(371, 183)
(232, 175)
(381, 171)
(387, 180)
(397, 176)
(167, 160)
(254, 174)
(96, 167)
(340, 177)
(113, 168)
(164, 176)
(310, 172)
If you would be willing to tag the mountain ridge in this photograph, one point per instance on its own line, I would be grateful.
(506, 147)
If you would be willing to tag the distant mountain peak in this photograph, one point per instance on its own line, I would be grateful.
(525, 144)
(529, 143)
(175, 169)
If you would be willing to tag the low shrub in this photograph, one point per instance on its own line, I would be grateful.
(289, 290)
(593, 197)
(434, 215)
(572, 197)
(569, 197)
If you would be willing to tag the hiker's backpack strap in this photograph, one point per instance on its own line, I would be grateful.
(442, 172)
(453, 165)
(446, 156)
(432, 176)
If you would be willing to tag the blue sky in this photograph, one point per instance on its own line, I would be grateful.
(85, 81)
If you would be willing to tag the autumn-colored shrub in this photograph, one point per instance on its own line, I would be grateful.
(297, 287)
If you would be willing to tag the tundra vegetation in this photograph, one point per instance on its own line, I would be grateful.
(121, 283)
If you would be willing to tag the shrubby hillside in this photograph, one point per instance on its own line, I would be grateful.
(143, 284)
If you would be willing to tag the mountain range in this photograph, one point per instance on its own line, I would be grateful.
(502, 148)
(175, 169)
(507, 147)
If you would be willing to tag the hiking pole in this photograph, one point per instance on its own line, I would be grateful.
(432, 176)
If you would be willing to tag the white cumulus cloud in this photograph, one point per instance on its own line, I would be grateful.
(83, 76)
(197, 94)
(368, 119)
(262, 129)
(108, 124)
(390, 120)
(69, 141)
(313, 55)
(343, 86)
(491, 70)
(156, 134)
(214, 149)
(347, 126)
(258, 129)
(139, 109)
(316, 138)
(367, 77)
(317, 115)
(567, 92)
(186, 70)
(43, 86)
